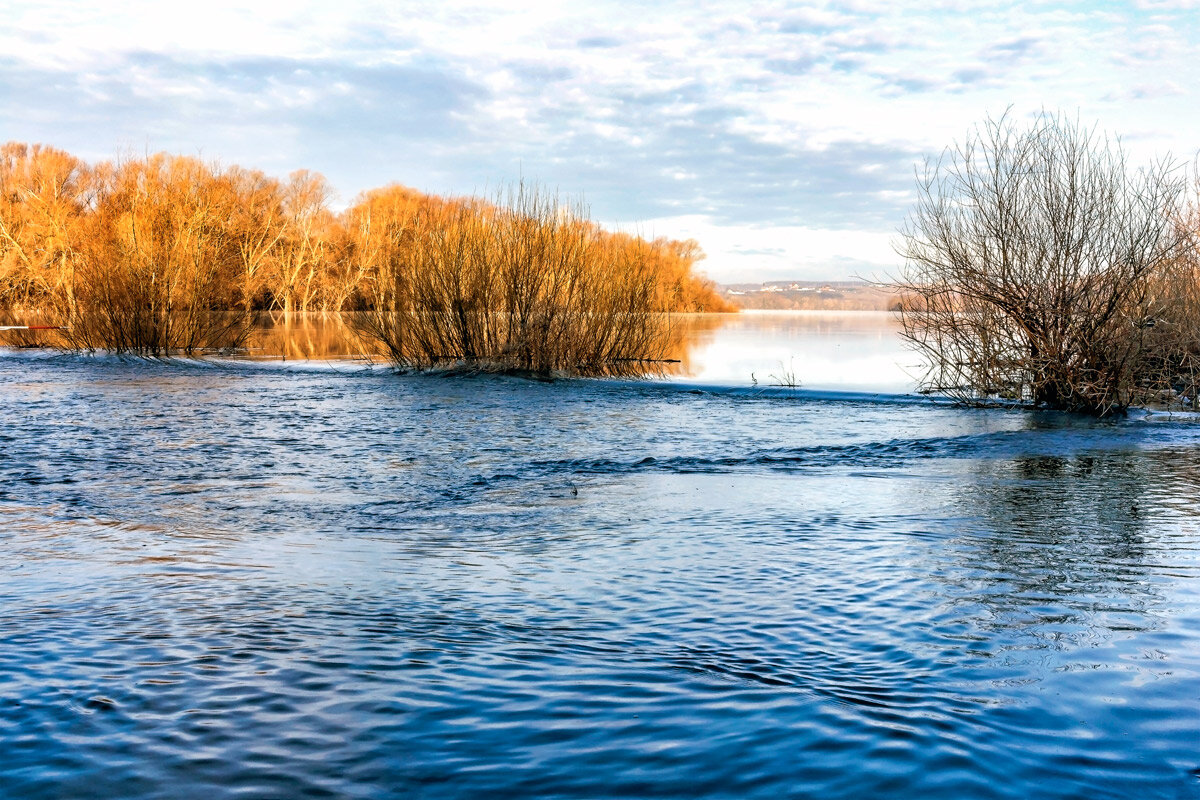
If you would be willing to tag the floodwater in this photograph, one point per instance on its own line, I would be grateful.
(834, 350)
(295, 579)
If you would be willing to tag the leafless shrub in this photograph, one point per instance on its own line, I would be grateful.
(1038, 267)
(1171, 373)
(525, 285)
(160, 267)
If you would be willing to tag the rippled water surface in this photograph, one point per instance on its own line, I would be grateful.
(315, 580)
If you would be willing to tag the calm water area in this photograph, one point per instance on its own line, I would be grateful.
(299, 575)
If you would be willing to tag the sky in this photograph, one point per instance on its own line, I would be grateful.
(782, 136)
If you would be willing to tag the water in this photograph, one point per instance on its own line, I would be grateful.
(282, 579)
(835, 350)
(858, 351)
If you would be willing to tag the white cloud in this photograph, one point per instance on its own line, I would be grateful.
(786, 122)
(747, 252)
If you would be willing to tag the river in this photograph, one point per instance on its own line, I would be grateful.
(283, 577)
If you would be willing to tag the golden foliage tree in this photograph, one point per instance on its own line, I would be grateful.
(160, 267)
(44, 194)
(259, 224)
(166, 253)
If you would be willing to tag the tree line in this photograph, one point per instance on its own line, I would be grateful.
(169, 253)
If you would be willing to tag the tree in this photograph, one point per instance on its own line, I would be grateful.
(44, 194)
(160, 266)
(1034, 266)
(305, 250)
(258, 222)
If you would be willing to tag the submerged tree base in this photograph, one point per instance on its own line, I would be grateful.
(613, 346)
(152, 335)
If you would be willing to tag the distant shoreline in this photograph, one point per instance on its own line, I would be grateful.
(810, 296)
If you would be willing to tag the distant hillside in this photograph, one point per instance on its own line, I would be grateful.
(810, 296)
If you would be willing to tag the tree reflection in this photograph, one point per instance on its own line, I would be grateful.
(320, 335)
(1054, 550)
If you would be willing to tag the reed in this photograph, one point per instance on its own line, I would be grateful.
(1168, 330)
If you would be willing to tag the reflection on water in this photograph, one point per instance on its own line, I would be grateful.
(247, 579)
(838, 350)
(853, 351)
(315, 336)
(306, 336)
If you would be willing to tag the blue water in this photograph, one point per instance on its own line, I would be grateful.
(249, 580)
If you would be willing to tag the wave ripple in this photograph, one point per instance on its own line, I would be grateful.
(243, 581)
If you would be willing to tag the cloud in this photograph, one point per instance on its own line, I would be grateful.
(598, 42)
(1146, 91)
(972, 75)
(810, 21)
(1167, 5)
(1012, 51)
(798, 65)
(777, 116)
(783, 252)
(272, 113)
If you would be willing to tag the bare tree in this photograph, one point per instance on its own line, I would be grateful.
(44, 195)
(1035, 262)
(160, 267)
(527, 284)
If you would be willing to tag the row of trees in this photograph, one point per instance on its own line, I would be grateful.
(1040, 267)
(571, 300)
(168, 253)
